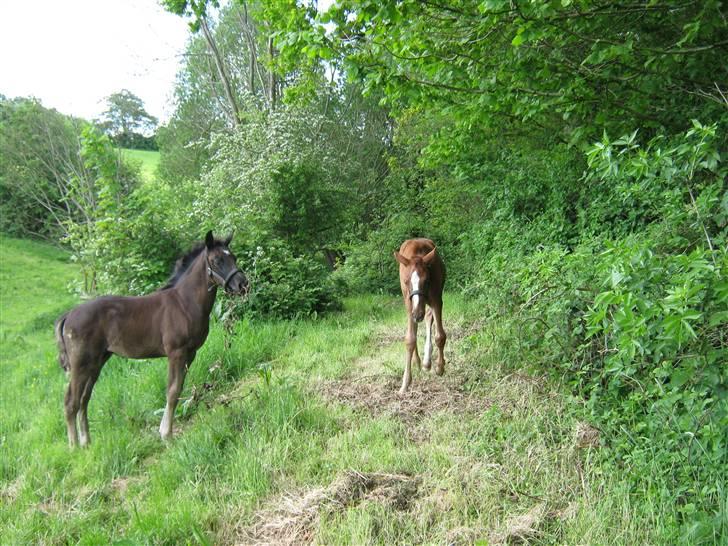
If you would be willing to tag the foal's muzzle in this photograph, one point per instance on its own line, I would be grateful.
(234, 281)
(238, 284)
(418, 313)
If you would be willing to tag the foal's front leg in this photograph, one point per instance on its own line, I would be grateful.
(440, 338)
(179, 361)
(428, 339)
(410, 342)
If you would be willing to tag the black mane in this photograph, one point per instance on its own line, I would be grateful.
(184, 263)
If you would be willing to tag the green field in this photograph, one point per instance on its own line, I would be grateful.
(295, 432)
(147, 159)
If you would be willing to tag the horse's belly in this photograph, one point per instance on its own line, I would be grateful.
(135, 351)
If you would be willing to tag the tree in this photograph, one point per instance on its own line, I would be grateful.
(39, 157)
(127, 122)
(572, 68)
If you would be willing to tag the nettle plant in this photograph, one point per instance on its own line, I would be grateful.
(660, 319)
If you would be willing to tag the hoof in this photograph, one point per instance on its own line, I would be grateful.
(439, 370)
(427, 365)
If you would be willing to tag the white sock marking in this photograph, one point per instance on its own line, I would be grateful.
(83, 438)
(164, 427)
(428, 343)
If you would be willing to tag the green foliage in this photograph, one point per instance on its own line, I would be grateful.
(284, 285)
(126, 243)
(277, 188)
(574, 67)
(637, 324)
(38, 155)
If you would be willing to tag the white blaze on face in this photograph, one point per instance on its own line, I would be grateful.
(414, 287)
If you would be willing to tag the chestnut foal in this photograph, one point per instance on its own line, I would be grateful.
(422, 279)
(172, 322)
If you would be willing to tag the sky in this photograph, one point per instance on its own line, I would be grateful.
(72, 54)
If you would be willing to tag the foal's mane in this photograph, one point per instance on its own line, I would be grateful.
(183, 264)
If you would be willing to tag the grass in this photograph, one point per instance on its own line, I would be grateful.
(148, 161)
(271, 425)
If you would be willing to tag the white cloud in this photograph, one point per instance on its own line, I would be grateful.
(73, 54)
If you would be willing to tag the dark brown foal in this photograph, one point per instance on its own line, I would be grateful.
(172, 322)
(422, 279)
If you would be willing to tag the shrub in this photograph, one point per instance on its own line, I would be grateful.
(283, 285)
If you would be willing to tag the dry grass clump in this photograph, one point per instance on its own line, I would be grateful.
(586, 435)
(379, 395)
(520, 528)
(293, 518)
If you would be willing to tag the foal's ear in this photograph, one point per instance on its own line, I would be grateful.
(228, 239)
(401, 259)
(209, 240)
(427, 258)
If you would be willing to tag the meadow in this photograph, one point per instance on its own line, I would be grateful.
(569, 161)
(148, 160)
(293, 431)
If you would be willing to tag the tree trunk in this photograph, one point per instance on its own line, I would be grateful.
(271, 76)
(221, 71)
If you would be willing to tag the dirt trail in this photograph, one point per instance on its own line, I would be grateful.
(371, 388)
(374, 380)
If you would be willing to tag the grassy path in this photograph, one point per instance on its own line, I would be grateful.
(292, 432)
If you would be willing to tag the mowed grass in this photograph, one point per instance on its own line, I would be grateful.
(148, 161)
(261, 424)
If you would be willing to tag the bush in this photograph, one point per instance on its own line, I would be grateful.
(634, 316)
(283, 285)
(125, 243)
(370, 265)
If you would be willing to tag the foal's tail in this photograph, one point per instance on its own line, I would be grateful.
(60, 340)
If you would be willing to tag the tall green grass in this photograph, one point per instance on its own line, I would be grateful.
(255, 423)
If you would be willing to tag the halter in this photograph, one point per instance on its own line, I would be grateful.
(417, 293)
(222, 281)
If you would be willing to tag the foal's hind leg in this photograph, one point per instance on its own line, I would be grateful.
(71, 404)
(92, 375)
(84, 368)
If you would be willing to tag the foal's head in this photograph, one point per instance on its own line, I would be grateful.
(222, 267)
(417, 277)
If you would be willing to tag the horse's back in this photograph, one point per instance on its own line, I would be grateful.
(106, 307)
(118, 324)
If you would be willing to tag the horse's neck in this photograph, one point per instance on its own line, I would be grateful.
(193, 288)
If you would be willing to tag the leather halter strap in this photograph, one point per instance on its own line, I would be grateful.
(222, 281)
(417, 293)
